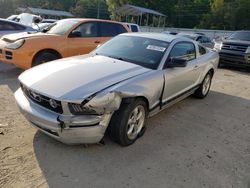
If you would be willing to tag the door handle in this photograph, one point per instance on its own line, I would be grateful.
(97, 42)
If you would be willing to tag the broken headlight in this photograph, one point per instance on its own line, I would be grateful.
(80, 109)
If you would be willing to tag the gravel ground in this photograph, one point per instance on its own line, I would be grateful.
(195, 143)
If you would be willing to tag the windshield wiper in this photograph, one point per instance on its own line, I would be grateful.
(119, 58)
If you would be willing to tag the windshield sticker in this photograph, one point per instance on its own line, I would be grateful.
(156, 48)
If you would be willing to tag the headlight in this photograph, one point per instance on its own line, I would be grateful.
(248, 50)
(218, 46)
(79, 109)
(15, 45)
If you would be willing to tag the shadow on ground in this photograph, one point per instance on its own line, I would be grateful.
(195, 143)
(9, 75)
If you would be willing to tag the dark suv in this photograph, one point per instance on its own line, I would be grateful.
(235, 50)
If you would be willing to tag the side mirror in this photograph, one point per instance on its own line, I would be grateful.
(75, 34)
(176, 62)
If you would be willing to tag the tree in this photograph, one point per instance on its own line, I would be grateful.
(6, 8)
(91, 9)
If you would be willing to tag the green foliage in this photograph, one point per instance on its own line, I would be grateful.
(91, 9)
(209, 14)
(227, 14)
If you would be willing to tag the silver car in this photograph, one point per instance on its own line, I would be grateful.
(114, 88)
(11, 27)
(200, 38)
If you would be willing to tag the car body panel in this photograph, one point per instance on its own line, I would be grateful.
(110, 72)
(104, 85)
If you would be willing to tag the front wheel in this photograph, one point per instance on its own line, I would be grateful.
(204, 88)
(44, 57)
(128, 123)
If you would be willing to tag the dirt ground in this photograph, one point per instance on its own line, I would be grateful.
(195, 143)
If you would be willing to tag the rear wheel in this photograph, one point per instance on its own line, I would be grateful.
(204, 88)
(128, 123)
(44, 57)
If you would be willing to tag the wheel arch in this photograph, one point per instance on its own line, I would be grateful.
(212, 71)
(50, 50)
(131, 99)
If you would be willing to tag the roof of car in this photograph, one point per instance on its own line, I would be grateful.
(93, 19)
(157, 36)
(190, 34)
(13, 22)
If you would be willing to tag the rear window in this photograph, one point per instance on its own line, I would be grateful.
(6, 26)
(202, 50)
(19, 27)
(134, 28)
(120, 29)
(111, 29)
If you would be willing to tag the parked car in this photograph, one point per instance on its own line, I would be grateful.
(9, 27)
(133, 27)
(170, 32)
(235, 50)
(13, 17)
(115, 88)
(201, 38)
(42, 26)
(198, 33)
(64, 38)
(48, 21)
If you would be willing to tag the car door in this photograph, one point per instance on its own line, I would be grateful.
(83, 39)
(178, 80)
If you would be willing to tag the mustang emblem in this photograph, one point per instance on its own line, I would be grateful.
(53, 103)
(35, 96)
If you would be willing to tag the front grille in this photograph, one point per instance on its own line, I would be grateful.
(42, 100)
(234, 47)
(231, 55)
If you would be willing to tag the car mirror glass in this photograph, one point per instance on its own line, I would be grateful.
(176, 62)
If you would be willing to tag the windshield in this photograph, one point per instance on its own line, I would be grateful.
(240, 36)
(61, 27)
(138, 50)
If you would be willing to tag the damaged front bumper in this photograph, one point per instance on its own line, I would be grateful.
(69, 129)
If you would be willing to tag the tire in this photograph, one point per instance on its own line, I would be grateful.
(204, 88)
(122, 128)
(44, 57)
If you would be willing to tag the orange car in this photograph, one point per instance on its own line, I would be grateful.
(64, 38)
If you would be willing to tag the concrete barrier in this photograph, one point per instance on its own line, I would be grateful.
(210, 33)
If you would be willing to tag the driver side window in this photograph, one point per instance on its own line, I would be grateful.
(184, 51)
(89, 29)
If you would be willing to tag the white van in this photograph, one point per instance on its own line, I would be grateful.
(133, 27)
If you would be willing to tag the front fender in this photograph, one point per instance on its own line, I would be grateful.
(148, 86)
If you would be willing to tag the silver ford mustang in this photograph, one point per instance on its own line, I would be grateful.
(114, 88)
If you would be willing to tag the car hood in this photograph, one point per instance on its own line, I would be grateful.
(237, 42)
(76, 78)
(23, 35)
